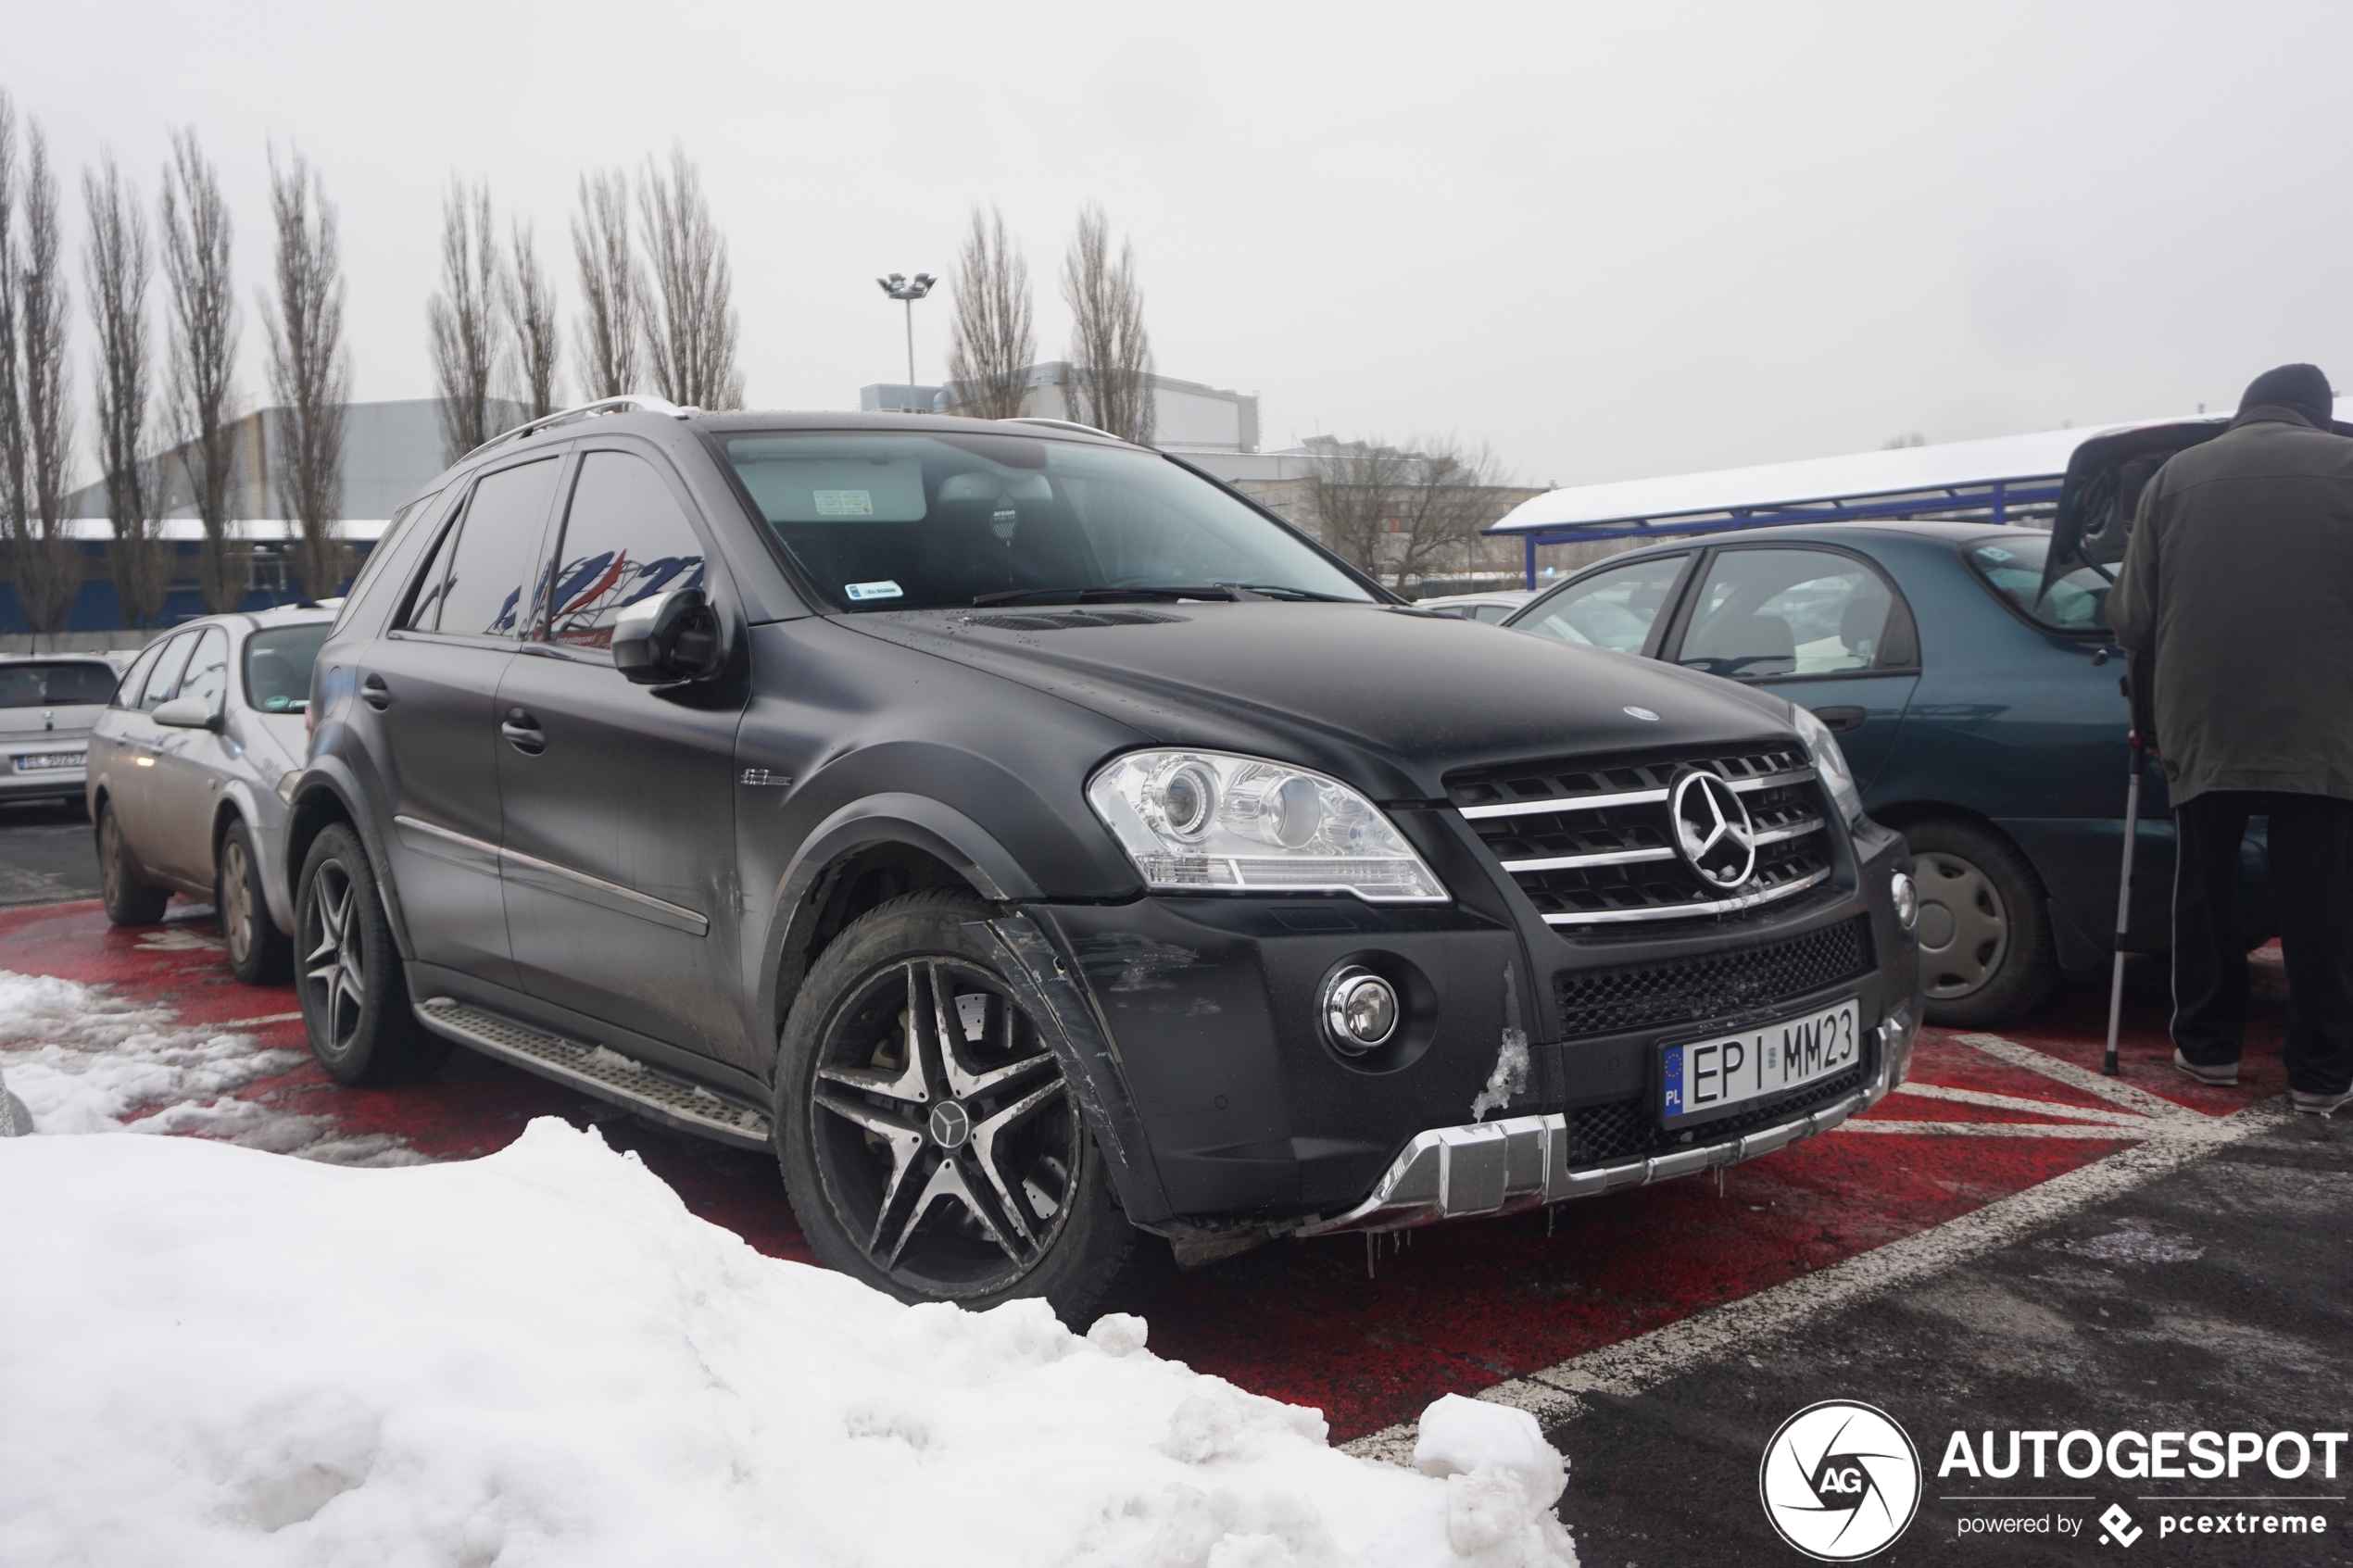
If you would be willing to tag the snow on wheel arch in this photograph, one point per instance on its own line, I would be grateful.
(216, 1355)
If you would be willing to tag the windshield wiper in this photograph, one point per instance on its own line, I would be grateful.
(1281, 590)
(1104, 596)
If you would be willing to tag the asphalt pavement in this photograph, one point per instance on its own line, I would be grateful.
(46, 854)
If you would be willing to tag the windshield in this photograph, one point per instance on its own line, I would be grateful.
(278, 665)
(55, 686)
(931, 521)
(2013, 568)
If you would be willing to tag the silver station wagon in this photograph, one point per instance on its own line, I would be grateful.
(183, 773)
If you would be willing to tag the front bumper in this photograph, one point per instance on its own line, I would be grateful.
(1486, 1169)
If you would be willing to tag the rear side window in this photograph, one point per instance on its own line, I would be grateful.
(492, 572)
(415, 515)
(278, 666)
(207, 676)
(2013, 569)
(625, 539)
(1610, 610)
(135, 679)
(73, 685)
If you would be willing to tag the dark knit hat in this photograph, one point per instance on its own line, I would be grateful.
(2300, 388)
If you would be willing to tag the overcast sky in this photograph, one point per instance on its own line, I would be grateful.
(1613, 241)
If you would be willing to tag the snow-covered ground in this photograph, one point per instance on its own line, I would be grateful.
(213, 1354)
(85, 1061)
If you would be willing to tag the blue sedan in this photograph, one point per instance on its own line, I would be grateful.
(1981, 714)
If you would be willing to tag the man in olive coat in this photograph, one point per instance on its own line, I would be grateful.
(2239, 579)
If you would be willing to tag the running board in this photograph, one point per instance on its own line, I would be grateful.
(606, 1074)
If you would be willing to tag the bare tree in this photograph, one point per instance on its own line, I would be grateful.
(691, 325)
(612, 290)
(1402, 514)
(1112, 351)
(196, 233)
(991, 343)
(529, 295)
(24, 542)
(309, 372)
(45, 559)
(467, 348)
(118, 263)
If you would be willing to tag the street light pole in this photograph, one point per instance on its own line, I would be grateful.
(907, 290)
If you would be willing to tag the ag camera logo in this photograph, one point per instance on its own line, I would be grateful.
(1840, 1480)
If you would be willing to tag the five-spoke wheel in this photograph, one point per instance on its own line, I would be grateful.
(353, 993)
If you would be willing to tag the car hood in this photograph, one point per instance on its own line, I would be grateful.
(1387, 699)
(16, 723)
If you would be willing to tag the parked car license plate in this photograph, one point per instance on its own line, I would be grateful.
(1703, 1077)
(42, 761)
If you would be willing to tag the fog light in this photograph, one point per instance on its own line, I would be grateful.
(1360, 1010)
(1908, 900)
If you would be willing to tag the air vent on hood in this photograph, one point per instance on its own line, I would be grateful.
(1068, 621)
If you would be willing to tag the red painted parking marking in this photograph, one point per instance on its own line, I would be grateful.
(1456, 1307)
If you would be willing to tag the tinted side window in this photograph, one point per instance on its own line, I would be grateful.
(625, 539)
(135, 679)
(1766, 612)
(389, 546)
(165, 676)
(495, 571)
(207, 673)
(425, 605)
(1610, 610)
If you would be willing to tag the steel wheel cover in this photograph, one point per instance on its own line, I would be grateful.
(945, 1136)
(334, 974)
(1964, 930)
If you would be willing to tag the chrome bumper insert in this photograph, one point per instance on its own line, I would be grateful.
(1493, 1168)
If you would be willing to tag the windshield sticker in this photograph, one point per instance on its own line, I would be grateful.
(857, 592)
(847, 502)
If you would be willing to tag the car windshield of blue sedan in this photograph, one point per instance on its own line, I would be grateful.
(2013, 568)
(278, 663)
(947, 520)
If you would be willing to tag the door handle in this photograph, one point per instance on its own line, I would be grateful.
(376, 694)
(1839, 720)
(523, 731)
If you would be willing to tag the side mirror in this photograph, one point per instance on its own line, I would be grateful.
(668, 638)
(187, 713)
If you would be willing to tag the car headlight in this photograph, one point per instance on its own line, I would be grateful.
(1829, 762)
(1206, 821)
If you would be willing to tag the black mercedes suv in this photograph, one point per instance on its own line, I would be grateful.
(1043, 850)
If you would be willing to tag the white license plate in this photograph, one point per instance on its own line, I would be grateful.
(1702, 1077)
(49, 759)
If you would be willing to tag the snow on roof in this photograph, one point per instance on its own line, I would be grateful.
(252, 530)
(1901, 470)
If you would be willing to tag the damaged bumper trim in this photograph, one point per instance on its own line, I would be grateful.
(1502, 1167)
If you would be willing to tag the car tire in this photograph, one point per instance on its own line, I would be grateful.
(348, 974)
(967, 1173)
(129, 900)
(1987, 953)
(259, 953)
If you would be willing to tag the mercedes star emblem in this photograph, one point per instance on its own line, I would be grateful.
(1713, 830)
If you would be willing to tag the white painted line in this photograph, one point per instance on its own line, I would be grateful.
(2006, 1129)
(2083, 1078)
(1556, 1394)
(2020, 1102)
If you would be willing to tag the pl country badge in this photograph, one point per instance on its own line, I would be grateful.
(1840, 1480)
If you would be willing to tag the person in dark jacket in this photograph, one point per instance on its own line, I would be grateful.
(2239, 581)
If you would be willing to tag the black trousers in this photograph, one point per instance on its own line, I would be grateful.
(2312, 876)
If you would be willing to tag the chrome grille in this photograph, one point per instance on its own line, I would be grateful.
(1590, 843)
(1609, 1001)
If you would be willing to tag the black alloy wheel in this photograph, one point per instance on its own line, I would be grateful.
(260, 953)
(930, 1140)
(129, 901)
(355, 996)
(1986, 949)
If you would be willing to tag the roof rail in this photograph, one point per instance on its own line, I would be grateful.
(1059, 425)
(639, 400)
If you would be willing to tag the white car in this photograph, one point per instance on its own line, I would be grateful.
(1489, 608)
(47, 708)
(183, 776)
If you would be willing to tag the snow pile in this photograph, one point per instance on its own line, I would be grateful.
(83, 1060)
(211, 1356)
